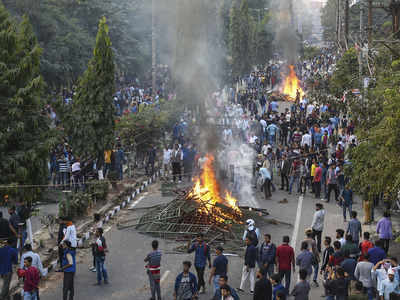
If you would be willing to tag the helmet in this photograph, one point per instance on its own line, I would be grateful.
(250, 224)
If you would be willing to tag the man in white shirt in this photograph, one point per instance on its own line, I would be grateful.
(166, 159)
(306, 140)
(389, 285)
(70, 233)
(317, 224)
(310, 109)
(36, 262)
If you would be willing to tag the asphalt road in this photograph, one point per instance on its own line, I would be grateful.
(128, 248)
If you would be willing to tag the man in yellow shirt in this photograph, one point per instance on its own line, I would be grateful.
(107, 162)
(313, 167)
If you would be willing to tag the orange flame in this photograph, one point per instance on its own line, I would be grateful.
(207, 190)
(292, 84)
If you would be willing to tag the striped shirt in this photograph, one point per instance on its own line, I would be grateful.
(153, 260)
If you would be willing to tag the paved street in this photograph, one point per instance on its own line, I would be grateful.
(128, 248)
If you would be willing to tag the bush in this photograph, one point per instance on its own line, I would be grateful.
(77, 204)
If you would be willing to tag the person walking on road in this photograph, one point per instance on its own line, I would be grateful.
(317, 224)
(100, 256)
(354, 228)
(250, 258)
(263, 287)
(305, 259)
(347, 201)
(384, 229)
(267, 253)
(153, 266)
(31, 280)
(219, 268)
(302, 288)
(8, 257)
(312, 246)
(285, 262)
(185, 284)
(332, 182)
(202, 254)
(69, 269)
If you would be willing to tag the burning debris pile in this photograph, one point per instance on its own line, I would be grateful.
(201, 209)
(292, 85)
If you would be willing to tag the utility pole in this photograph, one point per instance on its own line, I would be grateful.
(153, 47)
(346, 23)
(338, 22)
(369, 24)
(361, 23)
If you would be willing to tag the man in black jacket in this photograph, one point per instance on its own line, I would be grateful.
(284, 171)
(250, 258)
(337, 284)
(263, 287)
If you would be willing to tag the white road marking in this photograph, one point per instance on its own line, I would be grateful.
(164, 276)
(297, 223)
(107, 229)
(137, 201)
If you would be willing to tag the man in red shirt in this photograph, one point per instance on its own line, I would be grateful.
(317, 181)
(285, 261)
(365, 245)
(31, 281)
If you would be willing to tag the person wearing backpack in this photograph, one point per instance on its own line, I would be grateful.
(100, 256)
(252, 231)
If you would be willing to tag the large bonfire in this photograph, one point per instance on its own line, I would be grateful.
(292, 85)
(200, 209)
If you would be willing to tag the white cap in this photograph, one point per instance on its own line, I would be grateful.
(390, 271)
(250, 224)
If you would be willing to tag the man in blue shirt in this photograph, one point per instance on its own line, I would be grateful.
(8, 257)
(376, 254)
(202, 254)
(219, 268)
(347, 200)
(185, 284)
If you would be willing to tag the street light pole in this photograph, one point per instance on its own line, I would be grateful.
(153, 47)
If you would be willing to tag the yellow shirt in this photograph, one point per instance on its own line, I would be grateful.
(313, 167)
(107, 156)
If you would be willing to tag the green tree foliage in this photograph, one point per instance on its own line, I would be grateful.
(234, 41)
(346, 75)
(146, 128)
(24, 131)
(66, 30)
(90, 123)
(376, 159)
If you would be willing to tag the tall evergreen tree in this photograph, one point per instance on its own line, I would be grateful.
(91, 123)
(24, 126)
(245, 37)
(234, 41)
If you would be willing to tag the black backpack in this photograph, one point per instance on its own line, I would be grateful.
(251, 234)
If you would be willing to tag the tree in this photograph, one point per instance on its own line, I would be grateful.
(234, 42)
(245, 37)
(346, 74)
(240, 34)
(90, 123)
(24, 139)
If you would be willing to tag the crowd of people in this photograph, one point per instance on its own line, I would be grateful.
(307, 145)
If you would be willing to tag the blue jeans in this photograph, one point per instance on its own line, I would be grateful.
(345, 208)
(216, 282)
(30, 295)
(315, 267)
(101, 269)
(293, 179)
(370, 293)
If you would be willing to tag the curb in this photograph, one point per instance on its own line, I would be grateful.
(122, 205)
